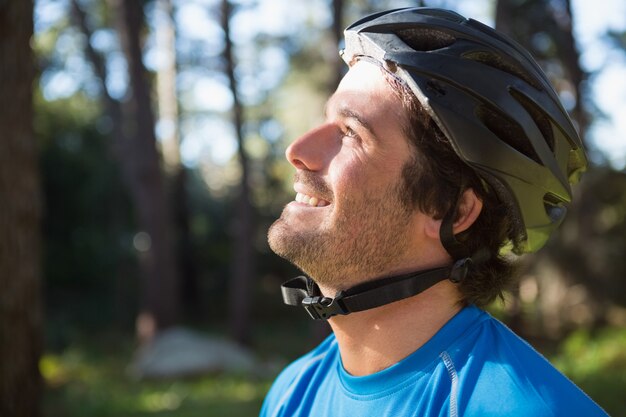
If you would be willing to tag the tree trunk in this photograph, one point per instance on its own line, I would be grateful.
(166, 85)
(160, 292)
(20, 288)
(571, 59)
(134, 145)
(170, 149)
(243, 262)
(337, 33)
(504, 17)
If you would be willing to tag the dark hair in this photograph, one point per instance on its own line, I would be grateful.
(433, 181)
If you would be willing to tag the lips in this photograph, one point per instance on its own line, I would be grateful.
(311, 190)
(311, 200)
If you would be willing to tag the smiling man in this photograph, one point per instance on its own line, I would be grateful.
(442, 145)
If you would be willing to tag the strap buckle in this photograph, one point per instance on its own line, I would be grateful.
(323, 308)
(460, 269)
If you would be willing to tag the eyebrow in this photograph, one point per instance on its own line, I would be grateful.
(346, 112)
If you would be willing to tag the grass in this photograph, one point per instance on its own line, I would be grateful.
(89, 378)
(115, 395)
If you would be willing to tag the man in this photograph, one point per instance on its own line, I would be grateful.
(442, 145)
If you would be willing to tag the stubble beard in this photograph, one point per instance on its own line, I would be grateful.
(361, 242)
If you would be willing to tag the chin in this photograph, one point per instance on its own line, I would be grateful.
(281, 239)
(274, 236)
(292, 246)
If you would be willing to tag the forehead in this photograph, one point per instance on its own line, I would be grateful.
(366, 92)
(363, 75)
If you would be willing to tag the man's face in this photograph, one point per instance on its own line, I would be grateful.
(347, 222)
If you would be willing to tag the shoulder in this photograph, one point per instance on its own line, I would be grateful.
(499, 373)
(297, 376)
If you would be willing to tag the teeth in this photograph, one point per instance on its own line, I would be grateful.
(311, 201)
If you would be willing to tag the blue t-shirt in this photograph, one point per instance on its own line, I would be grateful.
(474, 366)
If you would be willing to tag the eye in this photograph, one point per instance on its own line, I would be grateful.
(347, 131)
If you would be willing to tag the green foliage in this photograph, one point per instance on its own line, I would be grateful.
(596, 362)
(84, 381)
(87, 224)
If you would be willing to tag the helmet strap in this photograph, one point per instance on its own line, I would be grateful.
(456, 249)
(303, 291)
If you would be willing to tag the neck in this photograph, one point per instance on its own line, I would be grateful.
(373, 340)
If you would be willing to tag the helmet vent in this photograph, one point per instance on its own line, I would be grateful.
(423, 39)
(554, 207)
(498, 62)
(506, 130)
(539, 117)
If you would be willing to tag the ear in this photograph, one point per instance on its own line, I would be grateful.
(469, 209)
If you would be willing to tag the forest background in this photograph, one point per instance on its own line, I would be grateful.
(141, 163)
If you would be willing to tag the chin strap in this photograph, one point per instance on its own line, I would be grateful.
(455, 248)
(303, 291)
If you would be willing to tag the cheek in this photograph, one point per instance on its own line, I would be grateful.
(355, 175)
(348, 176)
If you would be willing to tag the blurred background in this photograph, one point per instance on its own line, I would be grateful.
(141, 163)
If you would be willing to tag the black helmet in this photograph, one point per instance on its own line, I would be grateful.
(491, 100)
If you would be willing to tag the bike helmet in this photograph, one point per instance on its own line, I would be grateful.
(491, 100)
(501, 117)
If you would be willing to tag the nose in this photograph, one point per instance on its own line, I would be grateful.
(313, 150)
